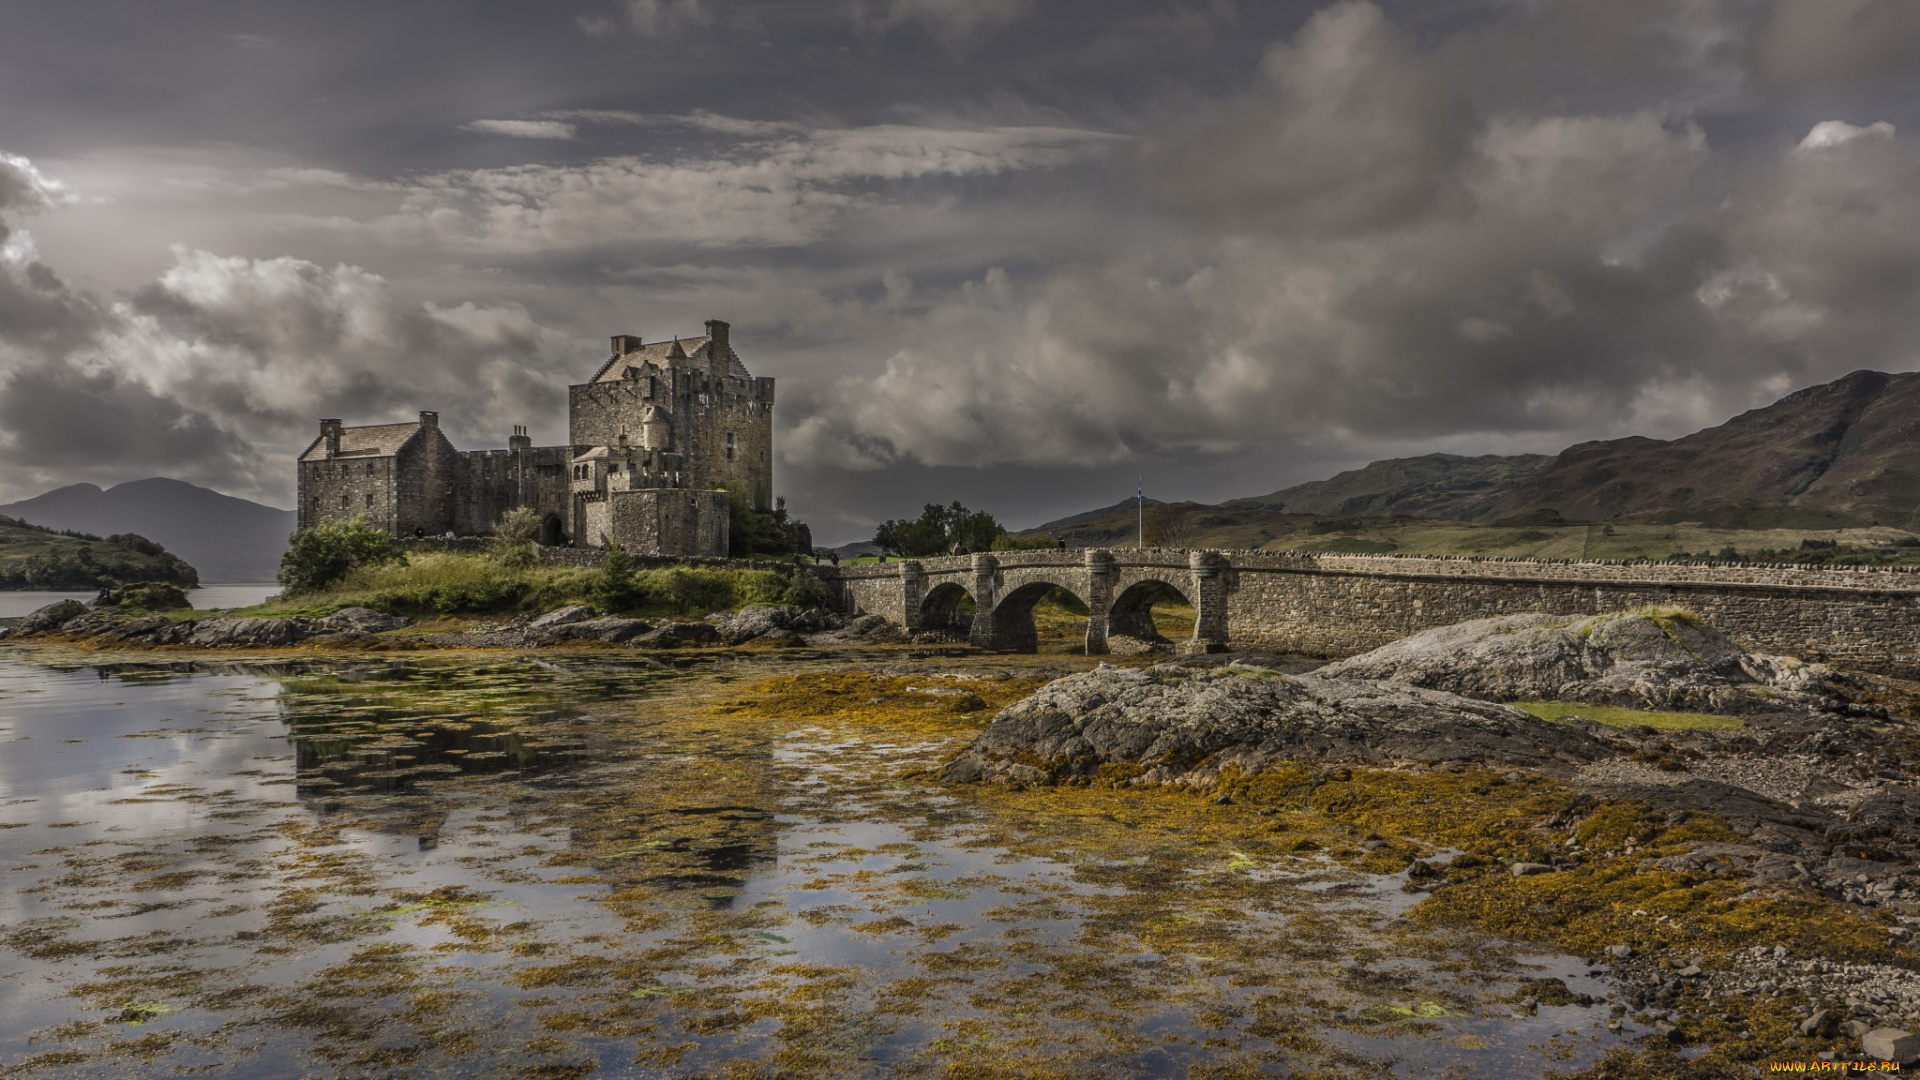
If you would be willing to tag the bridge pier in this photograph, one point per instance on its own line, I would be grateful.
(1101, 572)
(986, 597)
(913, 592)
(1209, 603)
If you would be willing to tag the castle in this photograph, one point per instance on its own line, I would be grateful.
(654, 439)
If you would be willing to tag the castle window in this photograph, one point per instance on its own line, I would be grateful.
(369, 498)
(369, 468)
(729, 446)
(343, 502)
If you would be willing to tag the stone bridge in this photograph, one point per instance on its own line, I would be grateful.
(1337, 605)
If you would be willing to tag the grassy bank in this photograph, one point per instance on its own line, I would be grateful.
(453, 583)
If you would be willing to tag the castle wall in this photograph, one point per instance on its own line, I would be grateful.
(705, 410)
(425, 473)
(662, 521)
(340, 488)
(488, 483)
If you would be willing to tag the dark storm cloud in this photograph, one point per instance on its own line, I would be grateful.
(1019, 249)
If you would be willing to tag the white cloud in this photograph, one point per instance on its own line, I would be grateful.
(523, 129)
(658, 16)
(1830, 133)
(23, 190)
(781, 191)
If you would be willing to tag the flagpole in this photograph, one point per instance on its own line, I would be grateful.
(1140, 503)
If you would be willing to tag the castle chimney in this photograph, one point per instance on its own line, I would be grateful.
(721, 350)
(625, 343)
(330, 431)
(429, 419)
(519, 440)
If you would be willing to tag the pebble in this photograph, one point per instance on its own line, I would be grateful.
(1527, 869)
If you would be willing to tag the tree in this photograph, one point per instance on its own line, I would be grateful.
(939, 530)
(753, 531)
(319, 556)
(614, 588)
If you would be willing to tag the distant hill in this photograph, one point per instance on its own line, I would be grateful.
(1841, 456)
(1432, 486)
(224, 538)
(1845, 453)
(36, 557)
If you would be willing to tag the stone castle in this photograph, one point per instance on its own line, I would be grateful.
(654, 439)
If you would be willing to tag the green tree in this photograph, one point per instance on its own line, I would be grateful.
(940, 530)
(319, 556)
(753, 531)
(615, 588)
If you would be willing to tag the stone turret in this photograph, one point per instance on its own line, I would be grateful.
(721, 351)
(330, 432)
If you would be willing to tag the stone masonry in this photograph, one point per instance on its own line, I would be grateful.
(655, 437)
(1338, 605)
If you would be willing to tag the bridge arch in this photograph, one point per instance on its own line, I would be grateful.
(948, 608)
(1013, 626)
(1130, 625)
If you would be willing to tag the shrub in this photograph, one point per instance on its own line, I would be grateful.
(513, 538)
(808, 591)
(319, 556)
(151, 596)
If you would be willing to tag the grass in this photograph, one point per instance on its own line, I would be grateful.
(455, 583)
(1621, 717)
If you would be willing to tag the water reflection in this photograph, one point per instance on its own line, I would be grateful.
(568, 866)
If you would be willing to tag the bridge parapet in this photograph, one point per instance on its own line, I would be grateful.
(1335, 605)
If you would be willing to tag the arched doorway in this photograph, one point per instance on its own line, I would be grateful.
(550, 531)
(948, 610)
(1060, 625)
(1141, 612)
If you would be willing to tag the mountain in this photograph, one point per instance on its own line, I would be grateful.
(1129, 506)
(1433, 486)
(1840, 454)
(224, 538)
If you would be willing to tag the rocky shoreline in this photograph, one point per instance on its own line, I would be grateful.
(1809, 799)
(73, 622)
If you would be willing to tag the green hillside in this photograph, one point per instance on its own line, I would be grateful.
(36, 557)
(1432, 485)
(1194, 525)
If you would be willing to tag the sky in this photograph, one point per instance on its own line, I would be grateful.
(1021, 253)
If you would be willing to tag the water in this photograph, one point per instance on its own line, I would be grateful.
(574, 866)
(16, 603)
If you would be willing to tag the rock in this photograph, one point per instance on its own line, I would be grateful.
(1528, 869)
(610, 629)
(675, 635)
(1822, 1022)
(359, 620)
(862, 630)
(1185, 724)
(1856, 1029)
(1890, 1044)
(1617, 659)
(224, 632)
(48, 619)
(1620, 952)
(572, 613)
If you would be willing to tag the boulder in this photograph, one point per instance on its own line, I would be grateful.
(572, 613)
(1181, 724)
(862, 630)
(1890, 1044)
(778, 624)
(227, 632)
(49, 619)
(675, 635)
(359, 620)
(610, 629)
(1636, 660)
